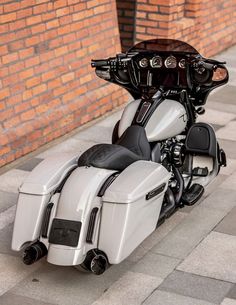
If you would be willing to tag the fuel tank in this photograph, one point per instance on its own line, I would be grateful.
(168, 120)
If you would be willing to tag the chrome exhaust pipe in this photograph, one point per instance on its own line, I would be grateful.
(96, 262)
(99, 264)
(34, 252)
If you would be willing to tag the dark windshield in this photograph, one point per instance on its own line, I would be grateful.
(163, 45)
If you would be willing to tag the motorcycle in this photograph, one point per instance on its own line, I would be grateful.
(93, 211)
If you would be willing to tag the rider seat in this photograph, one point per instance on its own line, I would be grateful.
(132, 146)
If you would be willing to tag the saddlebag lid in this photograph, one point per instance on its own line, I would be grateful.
(48, 174)
(138, 180)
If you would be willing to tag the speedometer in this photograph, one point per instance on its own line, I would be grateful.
(182, 63)
(156, 62)
(143, 62)
(171, 62)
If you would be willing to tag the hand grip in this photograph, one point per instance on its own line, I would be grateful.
(208, 66)
(99, 63)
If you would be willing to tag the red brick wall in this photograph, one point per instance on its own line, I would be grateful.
(208, 25)
(126, 19)
(47, 87)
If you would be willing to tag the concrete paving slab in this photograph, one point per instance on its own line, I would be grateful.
(68, 286)
(230, 108)
(12, 299)
(230, 168)
(11, 181)
(166, 298)
(98, 134)
(7, 200)
(232, 75)
(71, 145)
(111, 120)
(196, 286)
(181, 241)
(12, 271)
(225, 95)
(214, 185)
(156, 236)
(221, 199)
(133, 288)
(214, 257)
(156, 265)
(229, 57)
(216, 127)
(230, 182)
(228, 302)
(7, 217)
(229, 148)
(228, 224)
(213, 116)
(30, 164)
(5, 241)
(232, 293)
(227, 132)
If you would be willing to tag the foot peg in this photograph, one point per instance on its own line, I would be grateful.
(193, 194)
(200, 172)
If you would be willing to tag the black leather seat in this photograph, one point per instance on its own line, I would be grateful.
(131, 147)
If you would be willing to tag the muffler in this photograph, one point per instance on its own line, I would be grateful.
(34, 252)
(96, 261)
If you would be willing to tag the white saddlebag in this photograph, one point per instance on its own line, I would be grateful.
(34, 195)
(131, 208)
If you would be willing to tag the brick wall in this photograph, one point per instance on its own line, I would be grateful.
(126, 19)
(208, 25)
(47, 87)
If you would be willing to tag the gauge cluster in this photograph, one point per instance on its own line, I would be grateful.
(170, 62)
(161, 69)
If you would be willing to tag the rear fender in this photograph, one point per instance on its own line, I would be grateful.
(68, 238)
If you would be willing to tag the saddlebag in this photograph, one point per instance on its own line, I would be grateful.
(34, 195)
(131, 208)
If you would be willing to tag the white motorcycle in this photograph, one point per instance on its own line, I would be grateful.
(93, 211)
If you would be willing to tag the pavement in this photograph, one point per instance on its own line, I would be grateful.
(189, 260)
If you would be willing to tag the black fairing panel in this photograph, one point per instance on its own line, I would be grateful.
(201, 139)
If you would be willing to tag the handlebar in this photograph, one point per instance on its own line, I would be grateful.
(99, 63)
(206, 65)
